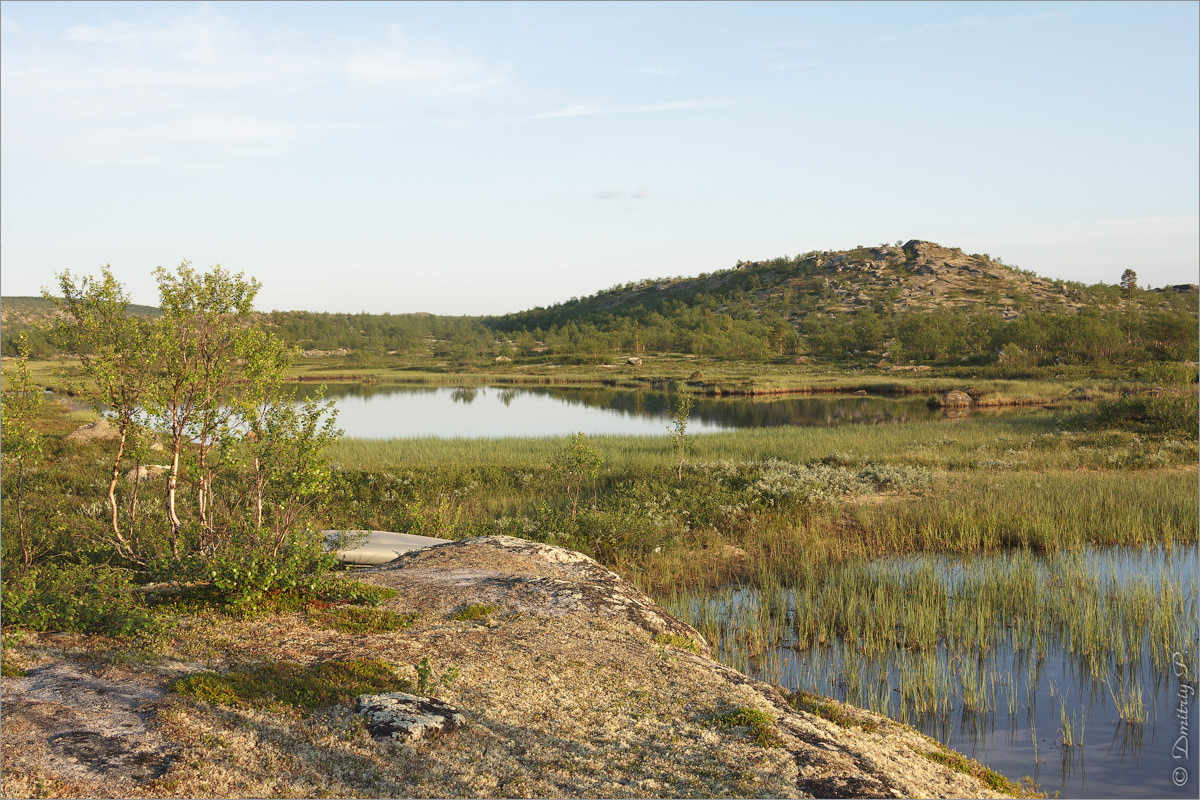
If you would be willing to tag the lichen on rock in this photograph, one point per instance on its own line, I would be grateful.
(407, 717)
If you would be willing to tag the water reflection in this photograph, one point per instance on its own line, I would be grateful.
(386, 411)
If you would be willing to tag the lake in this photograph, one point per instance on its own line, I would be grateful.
(391, 411)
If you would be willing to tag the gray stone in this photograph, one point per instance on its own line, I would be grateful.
(407, 717)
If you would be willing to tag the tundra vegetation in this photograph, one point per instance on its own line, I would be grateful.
(205, 497)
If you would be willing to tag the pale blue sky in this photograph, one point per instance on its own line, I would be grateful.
(489, 157)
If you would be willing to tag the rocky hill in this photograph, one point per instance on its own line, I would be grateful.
(917, 275)
(936, 302)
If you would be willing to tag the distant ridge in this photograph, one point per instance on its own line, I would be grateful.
(915, 275)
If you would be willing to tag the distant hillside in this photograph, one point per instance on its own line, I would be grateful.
(916, 276)
(904, 303)
(29, 311)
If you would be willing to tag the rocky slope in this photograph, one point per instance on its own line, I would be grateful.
(571, 682)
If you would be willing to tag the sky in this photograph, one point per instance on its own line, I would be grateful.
(483, 158)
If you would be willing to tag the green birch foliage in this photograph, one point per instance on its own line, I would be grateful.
(20, 451)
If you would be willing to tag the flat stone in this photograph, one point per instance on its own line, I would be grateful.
(379, 547)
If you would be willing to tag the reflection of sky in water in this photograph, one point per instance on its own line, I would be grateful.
(382, 412)
(437, 413)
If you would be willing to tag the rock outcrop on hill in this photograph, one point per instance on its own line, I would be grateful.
(571, 683)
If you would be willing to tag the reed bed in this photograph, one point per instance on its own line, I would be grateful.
(930, 637)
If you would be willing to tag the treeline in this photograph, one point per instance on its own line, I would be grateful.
(752, 313)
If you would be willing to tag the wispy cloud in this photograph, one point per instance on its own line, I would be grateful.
(780, 64)
(620, 194)
(588, 110)
(657, 70)
(967, 22)
(787, 44)
(192, 86)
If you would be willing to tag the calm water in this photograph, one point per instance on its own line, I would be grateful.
(384, 412)
(1018, 734)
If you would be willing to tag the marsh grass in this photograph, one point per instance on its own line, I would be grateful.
(923, 636)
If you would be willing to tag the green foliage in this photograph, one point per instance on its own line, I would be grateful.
(678, 427)
(829, 710)
(292, 685)
(20, 453)
(577, 462)
(245, 578)
(427, 680)
(761, 725)
(362, 621)
(961, 763)
(474, 611)
(676, 641)
(82, 598)
(1171, 413)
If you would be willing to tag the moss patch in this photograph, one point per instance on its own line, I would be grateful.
(294, 685)
(474, 611)
(761, 725)
(829, 710)
(960, 763)
(672, 640)
(359, 620)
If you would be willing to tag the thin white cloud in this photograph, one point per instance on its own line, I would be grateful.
(586, 110)
(783, 64)
(657, 70)
(640, 194)
(967, 22)
(191, 86)
(807, 44)
(608, 194)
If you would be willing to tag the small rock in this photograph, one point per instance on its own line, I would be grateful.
(634, 360)
(93, 431)
(146, 472)
(407, 717)
(952, 398)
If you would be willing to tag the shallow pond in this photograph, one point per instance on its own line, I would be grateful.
(1076, 670)
(384, 412)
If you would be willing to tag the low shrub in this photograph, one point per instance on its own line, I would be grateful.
(83, 598)
(1173, 412)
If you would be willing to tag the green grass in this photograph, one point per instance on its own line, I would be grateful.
(934, 628)
(1015, 440)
